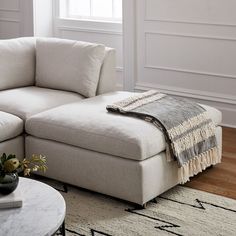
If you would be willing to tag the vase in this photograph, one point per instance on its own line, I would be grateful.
(8, 183)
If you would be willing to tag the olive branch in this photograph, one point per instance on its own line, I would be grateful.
(11, 164)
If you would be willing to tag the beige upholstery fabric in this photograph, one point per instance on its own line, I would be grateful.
(10, 126)
(13, 146)
(114, 176)
(24, 102)
(214, 114)
(69, 65)
(135, 181)
(17, 67)
(17, 63)
(87, 124)
(107, 80)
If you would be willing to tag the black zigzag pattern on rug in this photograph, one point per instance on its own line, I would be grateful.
(137, 211)
(97, 233)
(74, 232)
(163, 227)
(199, 202)
(172, 225)
(93, 233)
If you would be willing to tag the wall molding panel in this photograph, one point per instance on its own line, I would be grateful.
(15, 20)
(10, 5)
(191, 36)
(199, 72)
(186, 48)
(190, 54)
(9, 10)
(190, 71)
(191, 22)
(9, 20)
(185, 11)
(199, 94)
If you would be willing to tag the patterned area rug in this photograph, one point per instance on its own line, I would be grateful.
(180, 211)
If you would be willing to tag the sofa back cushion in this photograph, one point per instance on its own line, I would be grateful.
(17, 63)
(68, 65)
(107, 80)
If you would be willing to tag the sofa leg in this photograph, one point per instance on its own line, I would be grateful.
(140, 207)
(154, 200)
(144, 206)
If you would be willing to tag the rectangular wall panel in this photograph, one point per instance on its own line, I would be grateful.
(188, 48)
(198, 11)
(9, 19)
(196, 54)
(9, 4)
(194, 84)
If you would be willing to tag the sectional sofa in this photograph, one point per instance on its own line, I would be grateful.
(53, 97)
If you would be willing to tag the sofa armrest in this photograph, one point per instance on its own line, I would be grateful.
(107, 80)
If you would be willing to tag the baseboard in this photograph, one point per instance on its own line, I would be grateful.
(228, 126)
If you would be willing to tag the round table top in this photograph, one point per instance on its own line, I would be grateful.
(42, 213)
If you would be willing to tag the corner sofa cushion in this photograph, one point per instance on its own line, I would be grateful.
(10, 126)
(27, 101)
(69, 65)
(87, 124)
(17, 63)
(107, 79)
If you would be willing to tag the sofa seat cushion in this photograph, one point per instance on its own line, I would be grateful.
(69, 65)
(88, 125)
(10, 126)
(27, 101)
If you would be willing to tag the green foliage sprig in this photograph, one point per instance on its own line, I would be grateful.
(11, 164)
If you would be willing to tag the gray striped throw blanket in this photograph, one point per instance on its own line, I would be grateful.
(189, 132)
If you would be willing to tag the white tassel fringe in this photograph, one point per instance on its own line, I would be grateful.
(198, 164)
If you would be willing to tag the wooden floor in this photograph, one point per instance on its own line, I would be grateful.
(221, 179)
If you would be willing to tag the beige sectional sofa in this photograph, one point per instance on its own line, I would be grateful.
(61, 97)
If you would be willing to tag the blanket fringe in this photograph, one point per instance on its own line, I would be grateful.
(198, 164)
(136, 101)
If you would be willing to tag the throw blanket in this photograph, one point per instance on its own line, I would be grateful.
(189, 132)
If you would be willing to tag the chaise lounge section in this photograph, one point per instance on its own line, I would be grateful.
(108, 153)
(53, 97)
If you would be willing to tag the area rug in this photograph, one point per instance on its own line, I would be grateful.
(180, 211)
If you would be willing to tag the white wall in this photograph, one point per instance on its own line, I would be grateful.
(43, 18)
(15, 18)
(20, 18)
(186, 48)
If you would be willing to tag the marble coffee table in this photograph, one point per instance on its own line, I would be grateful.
(42, 213)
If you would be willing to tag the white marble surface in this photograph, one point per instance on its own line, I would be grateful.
(42, 213)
